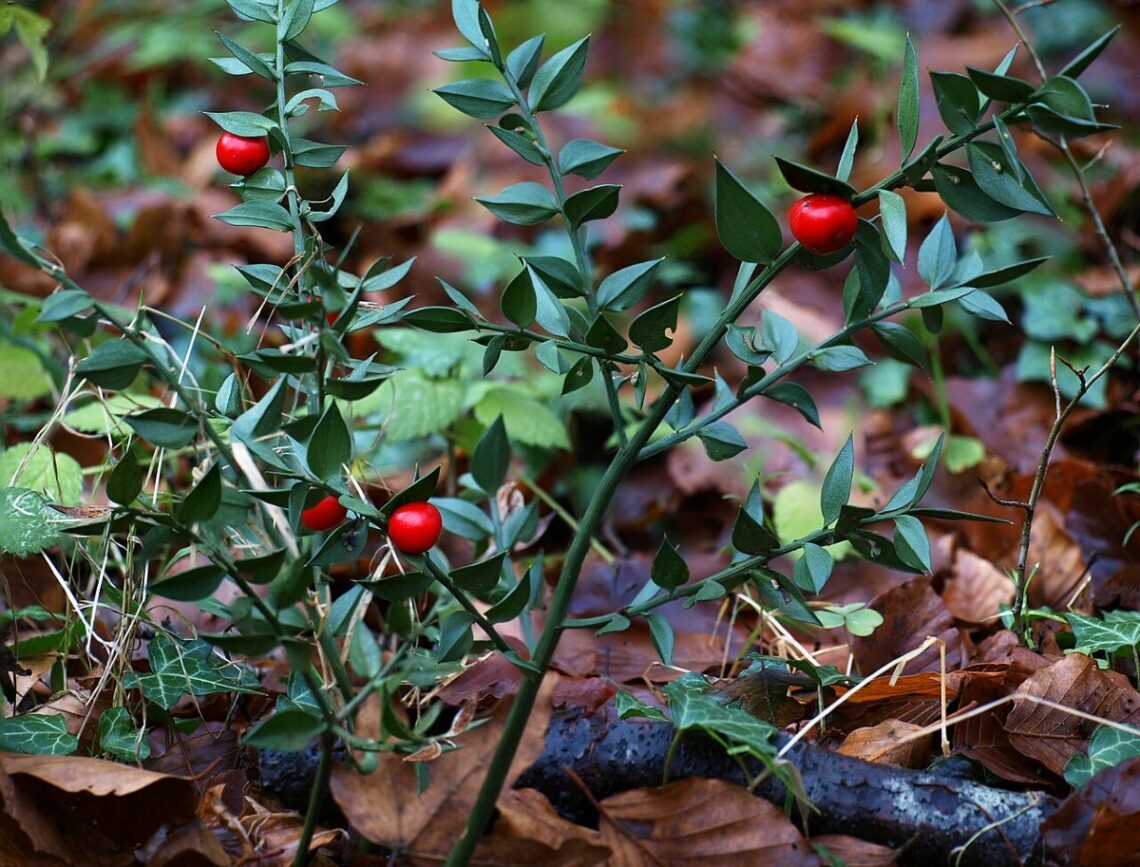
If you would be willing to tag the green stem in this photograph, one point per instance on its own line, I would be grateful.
(486, 625)
(568, 519)
(316, 800)
(622, 463)
(292, 194)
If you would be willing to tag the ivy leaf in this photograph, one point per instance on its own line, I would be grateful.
(38, 734)
(1108, 748)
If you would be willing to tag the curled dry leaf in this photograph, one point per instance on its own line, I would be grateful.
(696, 819)
(887, 744)
(1052, 736)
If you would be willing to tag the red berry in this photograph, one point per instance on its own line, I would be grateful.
(242, 156)
(324, 515)
(331, 318)
(414, 528)
(823, 223)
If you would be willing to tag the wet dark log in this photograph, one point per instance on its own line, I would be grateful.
(925, 816)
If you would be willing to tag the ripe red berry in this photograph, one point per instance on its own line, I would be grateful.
(414, 527)
(324, 515)
(242, 156)
(823, 223)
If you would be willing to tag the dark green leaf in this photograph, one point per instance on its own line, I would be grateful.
(478, 97)
(961, 192)
(906, 117)
(190, 586)
(847, 158)
(911, 542)
(669, 568)
(999, 180)
(520, 144)
(747, 229)
(250, 61)
(749, 533)
(648, 329)
(125, 481)
(795, 396)
(204, 498)
(1081, 62)
(330, 446)
(168, 428)
(398, 588)
(984, 305)
(1003, 88)
(661, 632)
(778, 336)
(722, 441)
(938, 254)
(518, 300)
(260, 214)
(809, 180)
(1007, 274)
(836, 490)
(549, 312)
(957, 100)
(625, 287)
(579, 375)
(586, 158)
(329, 76)
(892, 208)
(465, 13)
(480, 578)
(290, 730)
(114, 364)
(38, 734)
(491, 457)
(522, 63)
(595, 203)
(901, 343)
(524, 204)
(419, 491)
(440, 320)
(558, 79)
(63, 304)
(813, 568)
(604, 336)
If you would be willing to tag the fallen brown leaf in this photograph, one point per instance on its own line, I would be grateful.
(911, 612)
(976, 589)
(885, 744)
(855, 852)
(1052, 736)
(700, 819)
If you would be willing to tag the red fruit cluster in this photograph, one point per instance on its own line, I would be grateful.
(415, 527)
(823, 223)
(242, 156)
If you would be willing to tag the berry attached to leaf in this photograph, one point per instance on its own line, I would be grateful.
(823, 223)
(242, 156)
(415, 527)
(324, 515)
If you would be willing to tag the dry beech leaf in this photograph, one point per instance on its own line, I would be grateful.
(526, 816)
(886, 744)
(983, 738)
(855, 852)
(1052, 736)
(700, 819)
(384, 807)
(87, 811)
(977, 588)
(911, 612)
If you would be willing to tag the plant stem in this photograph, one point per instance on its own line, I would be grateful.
(622, 463)
(554, 506)
(468, 606)
(316, 800)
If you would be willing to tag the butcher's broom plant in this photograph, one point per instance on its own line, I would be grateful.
(262, 482)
